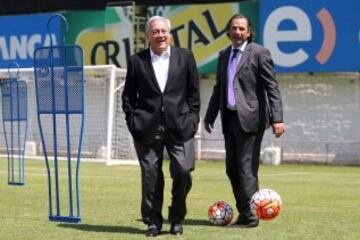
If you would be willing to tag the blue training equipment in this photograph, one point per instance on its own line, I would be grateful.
(59, 86)
(15, 112)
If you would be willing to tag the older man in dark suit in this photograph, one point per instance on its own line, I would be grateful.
(247, 95)
(161, 102)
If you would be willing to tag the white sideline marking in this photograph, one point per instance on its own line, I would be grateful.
(285, 174)
(308, 173)
(81, 176)
(195, 177)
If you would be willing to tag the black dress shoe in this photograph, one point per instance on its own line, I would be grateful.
(176, 229)
(245, 223)
(153, 230)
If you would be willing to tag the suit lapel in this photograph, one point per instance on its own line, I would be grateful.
(243, 58)
(172, 66)
(150, 69)
(224, 68)
(226, 63)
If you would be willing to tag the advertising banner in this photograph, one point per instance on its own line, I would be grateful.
(20, 35)
(105, 36)
(202, 28)
(321, 36)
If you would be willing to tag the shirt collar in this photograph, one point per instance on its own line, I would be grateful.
(241, 48)
(165, 53)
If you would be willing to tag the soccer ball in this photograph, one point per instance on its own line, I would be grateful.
(220, 213)
(266, 204)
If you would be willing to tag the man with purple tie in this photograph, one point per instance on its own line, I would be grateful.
(247, 95)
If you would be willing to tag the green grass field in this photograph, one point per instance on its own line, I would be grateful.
(320, 202)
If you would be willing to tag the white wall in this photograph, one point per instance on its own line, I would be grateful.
(322, 116)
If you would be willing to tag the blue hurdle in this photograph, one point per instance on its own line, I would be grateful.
(15, 112)
(59, 86)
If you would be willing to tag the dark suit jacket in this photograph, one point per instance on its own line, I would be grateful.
(143, 100)
(258, 100)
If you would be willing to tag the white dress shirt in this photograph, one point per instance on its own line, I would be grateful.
(161, 67)
(241, 50)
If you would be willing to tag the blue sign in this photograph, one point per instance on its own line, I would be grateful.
(21, 35)
(312, 36)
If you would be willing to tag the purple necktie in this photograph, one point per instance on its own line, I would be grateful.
(231, 75)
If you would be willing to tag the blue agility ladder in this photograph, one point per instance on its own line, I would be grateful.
(15, 112)
(59, 86)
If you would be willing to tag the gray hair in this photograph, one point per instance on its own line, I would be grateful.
(157, 18)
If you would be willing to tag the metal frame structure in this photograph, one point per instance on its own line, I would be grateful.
(15, 112)
(55, 97)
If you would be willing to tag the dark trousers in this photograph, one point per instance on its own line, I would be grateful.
(242, 161)
(182, 161)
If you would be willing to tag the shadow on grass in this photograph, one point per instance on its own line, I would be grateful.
(198, 222)
(126, 229)
(190, 221)
(104, 228)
